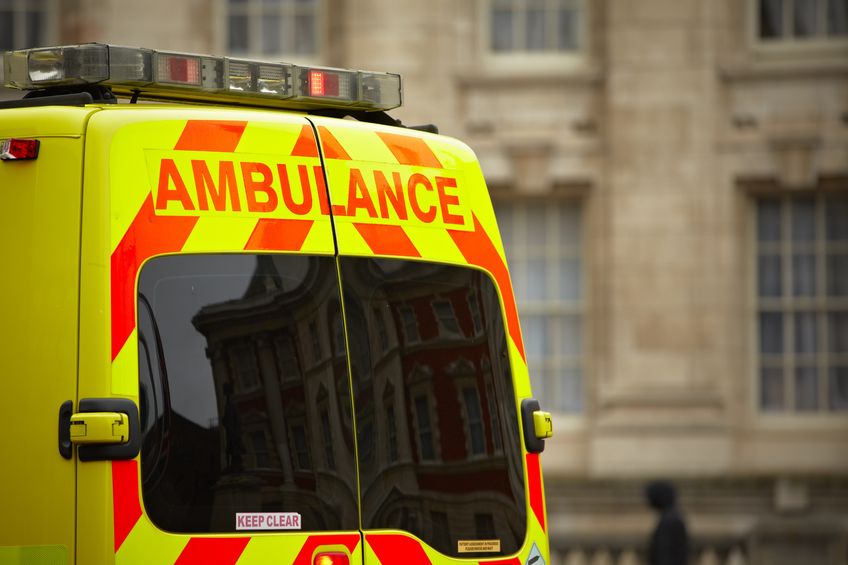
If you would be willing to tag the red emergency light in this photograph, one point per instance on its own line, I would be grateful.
(323, 83)
(18, 149)
(179, 69)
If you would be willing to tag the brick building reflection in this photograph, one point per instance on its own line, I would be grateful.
(276, 388)
(439, 448)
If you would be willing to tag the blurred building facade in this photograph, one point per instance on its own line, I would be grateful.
(671, 177)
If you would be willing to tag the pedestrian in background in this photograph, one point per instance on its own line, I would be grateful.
(669, 543)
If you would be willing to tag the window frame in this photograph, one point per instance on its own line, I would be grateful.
(547, 308)
(49, 27)
(789, 46)
(254, 14)
(523, 61)
(250, 353)
(790, 416)
(450, 318)
(407, 324)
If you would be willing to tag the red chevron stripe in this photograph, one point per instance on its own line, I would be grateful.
(279, 235)
(211, 135)
(212, 551)
(330, 146)
(125, 504)
(304, 556)
(387, 240)
(534, 479)
(397, 548)
(478, 249)
(410, 150)
(305, 146)
(148, 235)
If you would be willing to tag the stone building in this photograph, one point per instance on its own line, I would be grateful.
(672, 181)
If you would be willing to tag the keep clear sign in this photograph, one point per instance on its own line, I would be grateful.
(267, 521)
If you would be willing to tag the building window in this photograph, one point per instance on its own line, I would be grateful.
(245, 367)
(802, 303)
(286, 359)
(534, 26)
(543, 247)
(24, 23)
(802, 20)
(475, 420)
(301, 449)
(327, 436)
(382, 333)
(273, 27)
(448, 324)
(338, 336)
(315, 341)
(474, 308)
(425, 432)
(494, 419)
(410, 325)
(391, 431)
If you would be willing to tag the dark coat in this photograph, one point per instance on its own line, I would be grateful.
(669, 543)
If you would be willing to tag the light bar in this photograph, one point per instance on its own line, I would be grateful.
(161, 74)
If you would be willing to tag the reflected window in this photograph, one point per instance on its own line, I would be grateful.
(802, 314)
(432, 406)
(391, 432)
(212, 447)
(286, 359)
(338, 336)
(245, 367)
(327, 436)
(475, 420)
(301, 447)
(382, 332)
(315, 341)
(493, 417)
(445, 314)
(425, 432)
(476, 317)
(410, 324)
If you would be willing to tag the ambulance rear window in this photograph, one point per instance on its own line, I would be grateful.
(437, 428)
(244, 395)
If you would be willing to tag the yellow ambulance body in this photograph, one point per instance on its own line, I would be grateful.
(237, 329)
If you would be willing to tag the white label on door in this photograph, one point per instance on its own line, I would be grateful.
(267, 521)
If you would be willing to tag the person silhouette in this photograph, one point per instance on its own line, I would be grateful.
(669, 544)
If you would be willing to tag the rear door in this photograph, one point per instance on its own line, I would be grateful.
(39, 291)
(437, 360)
(209, 232)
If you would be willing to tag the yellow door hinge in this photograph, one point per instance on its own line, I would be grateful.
(542, 424)
(100, 427)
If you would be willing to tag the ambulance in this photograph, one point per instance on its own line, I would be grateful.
(252, 320)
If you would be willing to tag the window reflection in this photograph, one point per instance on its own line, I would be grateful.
(451, 467)
(234, 421)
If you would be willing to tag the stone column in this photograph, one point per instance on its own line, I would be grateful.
(273, 399)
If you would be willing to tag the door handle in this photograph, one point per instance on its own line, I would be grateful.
(103, 429)
(100, 427)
